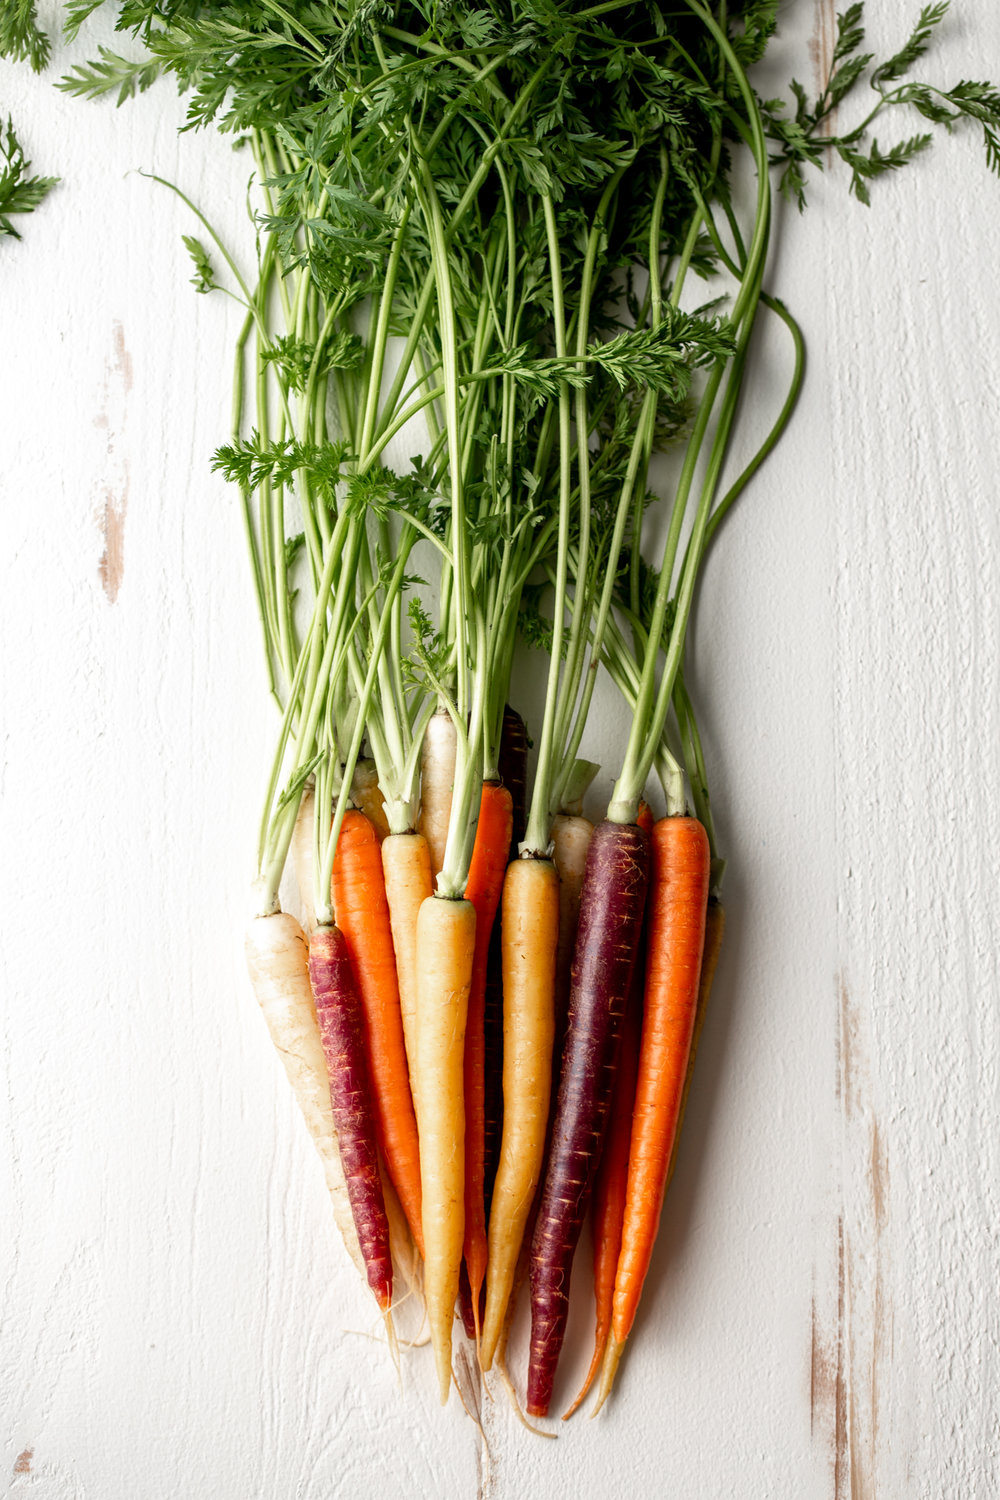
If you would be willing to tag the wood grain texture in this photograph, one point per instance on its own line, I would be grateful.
(820, 1318)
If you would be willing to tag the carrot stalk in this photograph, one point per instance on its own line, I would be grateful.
(341, 1026)
(362, 915)
(677, 910)
(486, 878)
(529, 934)
(446, 935)
(611, 907)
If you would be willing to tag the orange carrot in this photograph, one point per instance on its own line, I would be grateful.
(677, 910)
(362, 914)
(486, 874)
(446, 939)
(512, 763)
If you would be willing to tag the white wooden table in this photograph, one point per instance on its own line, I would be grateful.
(178, 1317)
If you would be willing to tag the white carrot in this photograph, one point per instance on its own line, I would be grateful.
(278, 960)
(302, 857)
(437, 779)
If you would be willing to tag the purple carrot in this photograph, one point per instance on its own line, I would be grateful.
(465, 1302)
(611, 909)
(492, 1067)
(342, 1029)
(513, 767)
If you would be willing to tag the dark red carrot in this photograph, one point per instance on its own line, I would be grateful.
(512, 763)
(571, 835)
(611, 908)
(513, 767)
(486, 875)
(342, 1029)
(612, 1176)
(465, 1303)
(361, 910)
(492, 1067)
(715, 926)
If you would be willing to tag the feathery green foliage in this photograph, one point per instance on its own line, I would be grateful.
(19, 192)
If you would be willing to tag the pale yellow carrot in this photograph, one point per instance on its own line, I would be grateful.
(446, 932)
(406, 863)
(277, 954)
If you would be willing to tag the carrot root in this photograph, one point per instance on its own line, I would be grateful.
(609, 1369)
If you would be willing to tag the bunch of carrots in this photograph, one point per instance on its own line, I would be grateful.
(477, 229)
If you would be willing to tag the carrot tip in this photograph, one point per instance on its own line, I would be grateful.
(595, 1365)
(612, 1356)
(508, 1386)
(390, 1333)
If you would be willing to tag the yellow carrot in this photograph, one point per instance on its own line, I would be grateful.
(406, 864)
(366, 794)
(529, 935)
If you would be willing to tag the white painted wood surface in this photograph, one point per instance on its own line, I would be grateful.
(821, 1320)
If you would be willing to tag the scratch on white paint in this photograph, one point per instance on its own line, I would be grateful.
(113, 504)
(848, 1359)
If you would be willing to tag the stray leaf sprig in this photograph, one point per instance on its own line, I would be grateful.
(804, 138)
(19, 192)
